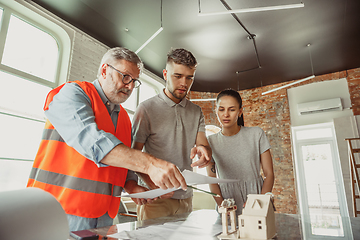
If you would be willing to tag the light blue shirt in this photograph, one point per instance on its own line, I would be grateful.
(72, 116)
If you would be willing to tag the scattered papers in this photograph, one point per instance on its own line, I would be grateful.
(191, 179)
(171, 231)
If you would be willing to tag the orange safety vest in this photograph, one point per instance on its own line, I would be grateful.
(82, 188)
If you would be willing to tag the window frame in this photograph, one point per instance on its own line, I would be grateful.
(44, 24)
(36, 20)
(62, 37)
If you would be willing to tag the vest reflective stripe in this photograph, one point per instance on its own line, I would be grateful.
(82, 188)
(75, 183)
(52, 134)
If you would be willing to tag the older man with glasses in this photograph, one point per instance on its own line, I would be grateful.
(84, 158)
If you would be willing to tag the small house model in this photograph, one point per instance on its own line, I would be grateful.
(258, 218)
(228, 207)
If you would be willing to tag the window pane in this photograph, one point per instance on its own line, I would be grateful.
(22, 96)
(130, 103)
(146, 91)
(321, 190)
(19, 138)
(14, 174)
(314, 133)
(30, 50)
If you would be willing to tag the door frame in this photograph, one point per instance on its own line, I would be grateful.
(301, 184)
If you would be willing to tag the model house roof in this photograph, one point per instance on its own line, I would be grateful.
(257, 205)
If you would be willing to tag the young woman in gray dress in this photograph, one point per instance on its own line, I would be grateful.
(238, 152)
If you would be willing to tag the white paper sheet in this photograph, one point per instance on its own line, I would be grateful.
(191, 178)
(172, 230)
(150, 194)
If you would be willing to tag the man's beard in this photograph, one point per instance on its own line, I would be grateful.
(178, 97)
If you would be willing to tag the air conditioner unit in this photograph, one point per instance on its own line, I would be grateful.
(333, 104)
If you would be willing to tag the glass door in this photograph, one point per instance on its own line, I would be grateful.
(321, 193)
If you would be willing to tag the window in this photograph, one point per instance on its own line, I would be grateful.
(31, 63)
(321, 190)
(150, 86)
(30, 49)
(147, 91)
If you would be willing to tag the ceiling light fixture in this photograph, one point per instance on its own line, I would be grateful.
(202, 99)
(150, 39)
(298, 81)
(250, 36)
(155, 34)
(287, 85)
(257, 9)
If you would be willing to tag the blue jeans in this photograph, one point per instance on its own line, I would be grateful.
(80, 223)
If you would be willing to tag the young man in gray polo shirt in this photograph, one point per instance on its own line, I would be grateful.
(172, 128)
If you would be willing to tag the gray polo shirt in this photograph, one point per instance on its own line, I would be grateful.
(169, 131)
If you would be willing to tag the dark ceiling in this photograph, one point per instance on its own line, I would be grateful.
(227, 56)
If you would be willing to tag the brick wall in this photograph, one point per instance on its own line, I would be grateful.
(85, 57)
(271, 113)
(353, 79)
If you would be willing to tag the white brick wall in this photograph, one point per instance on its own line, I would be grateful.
(85, 58)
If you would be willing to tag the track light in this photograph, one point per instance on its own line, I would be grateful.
(156, 33)
(149, 40)
(202, 99)
(298, 81)
(257, 9)
(287, 85)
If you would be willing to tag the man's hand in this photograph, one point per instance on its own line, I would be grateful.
(165, 175)
(132, 187)
(160, 173)
(145, 178)
(203, 154)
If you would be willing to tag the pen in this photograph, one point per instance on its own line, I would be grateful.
(214, 194)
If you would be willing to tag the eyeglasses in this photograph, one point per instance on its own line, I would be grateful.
(127, 79)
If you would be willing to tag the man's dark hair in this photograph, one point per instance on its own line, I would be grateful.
(181, 56)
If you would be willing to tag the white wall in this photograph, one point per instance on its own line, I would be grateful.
(342, 119)
(347, 127)
(315, 92)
